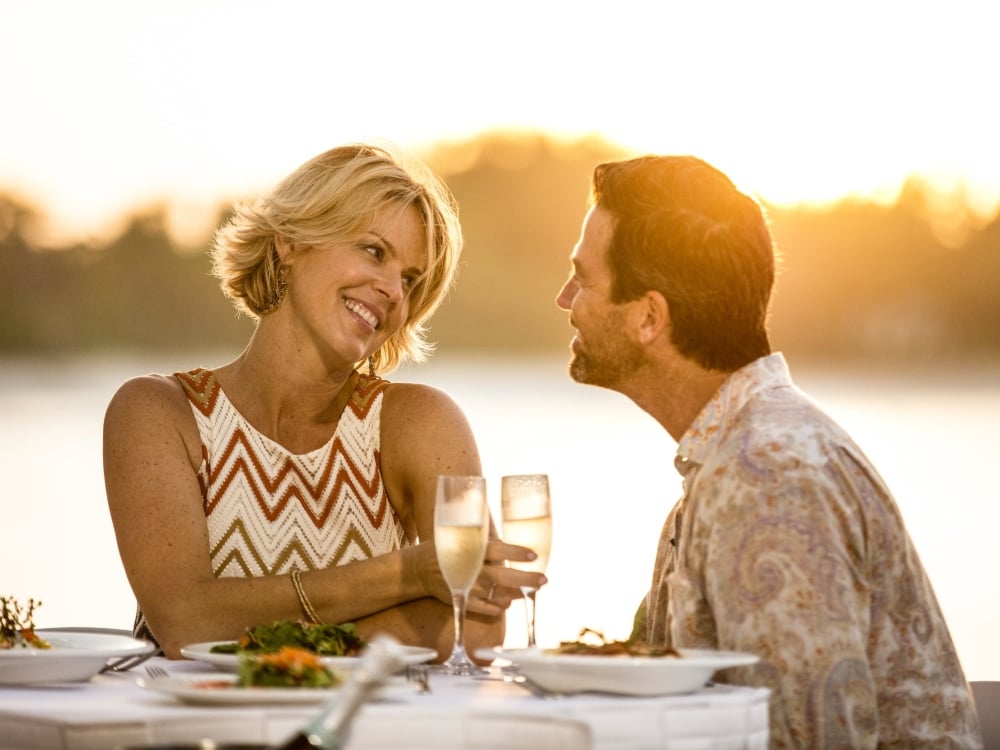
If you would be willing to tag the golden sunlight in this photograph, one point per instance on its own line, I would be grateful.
(799, 103)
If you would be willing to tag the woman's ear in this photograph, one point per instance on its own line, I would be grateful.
(283, 248)
(655, 317)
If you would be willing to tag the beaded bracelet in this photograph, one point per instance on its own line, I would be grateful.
(307, 606)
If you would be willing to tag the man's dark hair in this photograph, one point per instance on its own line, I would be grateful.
(682, 228)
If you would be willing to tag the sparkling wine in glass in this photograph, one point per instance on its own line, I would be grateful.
(527, 521)
(461, 532)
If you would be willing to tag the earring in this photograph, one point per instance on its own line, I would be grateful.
(280, 287)
(371, 366)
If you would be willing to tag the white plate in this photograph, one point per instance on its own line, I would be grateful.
(626, 675)
(231, 662)
(205, 690)
(74, 657)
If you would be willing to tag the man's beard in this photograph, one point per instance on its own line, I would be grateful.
(609, 362)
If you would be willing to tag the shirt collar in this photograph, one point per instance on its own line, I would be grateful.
(700, 439)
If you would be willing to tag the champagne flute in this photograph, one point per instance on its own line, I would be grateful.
(461, 533)
(527, 521)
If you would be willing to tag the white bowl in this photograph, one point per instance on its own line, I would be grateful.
(74, 657)
(626, 675)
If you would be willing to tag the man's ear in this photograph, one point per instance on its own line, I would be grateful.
(655, 317)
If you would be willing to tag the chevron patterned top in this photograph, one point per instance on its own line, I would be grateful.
(270, 511)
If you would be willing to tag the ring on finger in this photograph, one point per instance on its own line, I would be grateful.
(489, 594)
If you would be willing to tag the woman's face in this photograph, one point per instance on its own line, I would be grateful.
(347, 298)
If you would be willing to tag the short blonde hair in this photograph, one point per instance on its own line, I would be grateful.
(332, 198)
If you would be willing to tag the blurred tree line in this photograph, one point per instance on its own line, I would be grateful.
(857, 279)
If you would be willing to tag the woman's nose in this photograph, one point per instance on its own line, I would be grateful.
(392, 286)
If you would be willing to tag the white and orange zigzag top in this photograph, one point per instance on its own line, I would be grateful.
(270, 511)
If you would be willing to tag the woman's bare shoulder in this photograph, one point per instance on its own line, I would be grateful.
(415, 403)
(147, 394)
(425, 433)
(416, 414)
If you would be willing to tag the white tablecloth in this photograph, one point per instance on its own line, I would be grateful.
(112, 711)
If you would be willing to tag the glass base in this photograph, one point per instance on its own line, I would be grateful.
(458, 664)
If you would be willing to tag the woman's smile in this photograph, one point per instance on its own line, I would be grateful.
(362, 311)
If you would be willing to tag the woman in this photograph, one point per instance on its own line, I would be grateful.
(293, 483)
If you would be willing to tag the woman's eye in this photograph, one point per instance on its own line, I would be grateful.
(375, 251)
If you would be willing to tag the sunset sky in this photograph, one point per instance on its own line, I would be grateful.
(110, 105)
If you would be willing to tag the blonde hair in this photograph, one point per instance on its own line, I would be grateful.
(332, 198)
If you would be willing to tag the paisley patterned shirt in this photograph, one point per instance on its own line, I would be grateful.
(787, 544)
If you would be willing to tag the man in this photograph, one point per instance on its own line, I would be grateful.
(786, 542)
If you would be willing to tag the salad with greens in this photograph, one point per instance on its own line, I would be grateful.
(324, 639)
(288, 667)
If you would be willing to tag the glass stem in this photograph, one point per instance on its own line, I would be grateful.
(529, 609)
(458, 601)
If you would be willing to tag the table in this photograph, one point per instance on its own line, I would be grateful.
(113, 710)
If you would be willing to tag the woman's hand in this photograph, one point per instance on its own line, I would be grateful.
(498, 584)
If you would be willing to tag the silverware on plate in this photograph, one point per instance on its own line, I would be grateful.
(126, 663)
(420, 674)
(117, 664)
(532, 687)
(156, 672)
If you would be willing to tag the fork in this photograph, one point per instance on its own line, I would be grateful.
(532, 687)
(419, 674)
(156, 672)
(126, 663)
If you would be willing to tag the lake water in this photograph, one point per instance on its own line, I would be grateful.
(933, 436)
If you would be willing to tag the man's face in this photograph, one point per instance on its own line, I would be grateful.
(603, 353)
